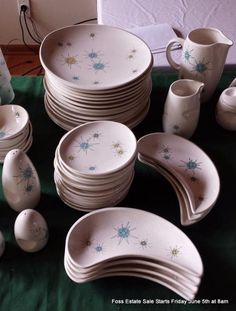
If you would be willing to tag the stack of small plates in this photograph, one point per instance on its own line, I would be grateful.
(96, 72)
(190, 171)
(94, 165)
(15, 130)
(120, 241)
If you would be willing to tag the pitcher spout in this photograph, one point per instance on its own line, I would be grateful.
(224, 40)
(198, 86)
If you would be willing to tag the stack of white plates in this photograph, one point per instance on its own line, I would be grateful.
(96, 72)
(190, 171)
(94, 165)
(130, 242)
(15, 130)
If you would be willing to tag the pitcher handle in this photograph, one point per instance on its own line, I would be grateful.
(168, 51)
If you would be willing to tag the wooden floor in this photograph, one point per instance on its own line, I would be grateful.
(22, 62)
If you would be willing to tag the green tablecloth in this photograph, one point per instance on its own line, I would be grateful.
(38, 281)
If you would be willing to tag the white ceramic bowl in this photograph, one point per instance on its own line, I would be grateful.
(13, 120)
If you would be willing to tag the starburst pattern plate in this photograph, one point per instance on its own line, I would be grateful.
(94, 165)
(97, 148)
(81, 56)
(96, 72)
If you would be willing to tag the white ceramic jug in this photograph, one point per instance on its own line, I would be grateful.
(203, 57)
(182, 107)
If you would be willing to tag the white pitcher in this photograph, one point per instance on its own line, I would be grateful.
(203, 57)
(182, 107)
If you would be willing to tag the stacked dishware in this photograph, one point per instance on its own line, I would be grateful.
(87, 79)
(15, 130)
(121, 241)
(190, 171)
(226, 109)
(94, 165)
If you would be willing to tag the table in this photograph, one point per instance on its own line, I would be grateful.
(38, 281)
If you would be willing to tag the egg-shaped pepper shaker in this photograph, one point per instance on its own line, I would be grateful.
(31, 231)
(20, 181)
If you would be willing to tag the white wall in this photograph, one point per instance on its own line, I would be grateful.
(48, 15)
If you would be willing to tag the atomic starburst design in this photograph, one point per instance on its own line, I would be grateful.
(69, 60)
(84, 145)
(99, 248)
(98, 66)
(93, 55)
(174, 252)
(200, 67)
(26, 176)
(143, 244)
(191, 165)
(2, 134)
(187, 55)
(124, 233)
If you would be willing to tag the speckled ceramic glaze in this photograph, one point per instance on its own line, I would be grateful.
(31, 231)
(20, 181)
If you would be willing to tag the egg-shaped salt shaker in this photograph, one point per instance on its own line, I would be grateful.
(2, 244)
(20, 181)
(31, 230)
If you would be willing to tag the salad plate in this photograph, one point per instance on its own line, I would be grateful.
(94, 165)
(91, 193)
(91, 180)
(97, 148)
